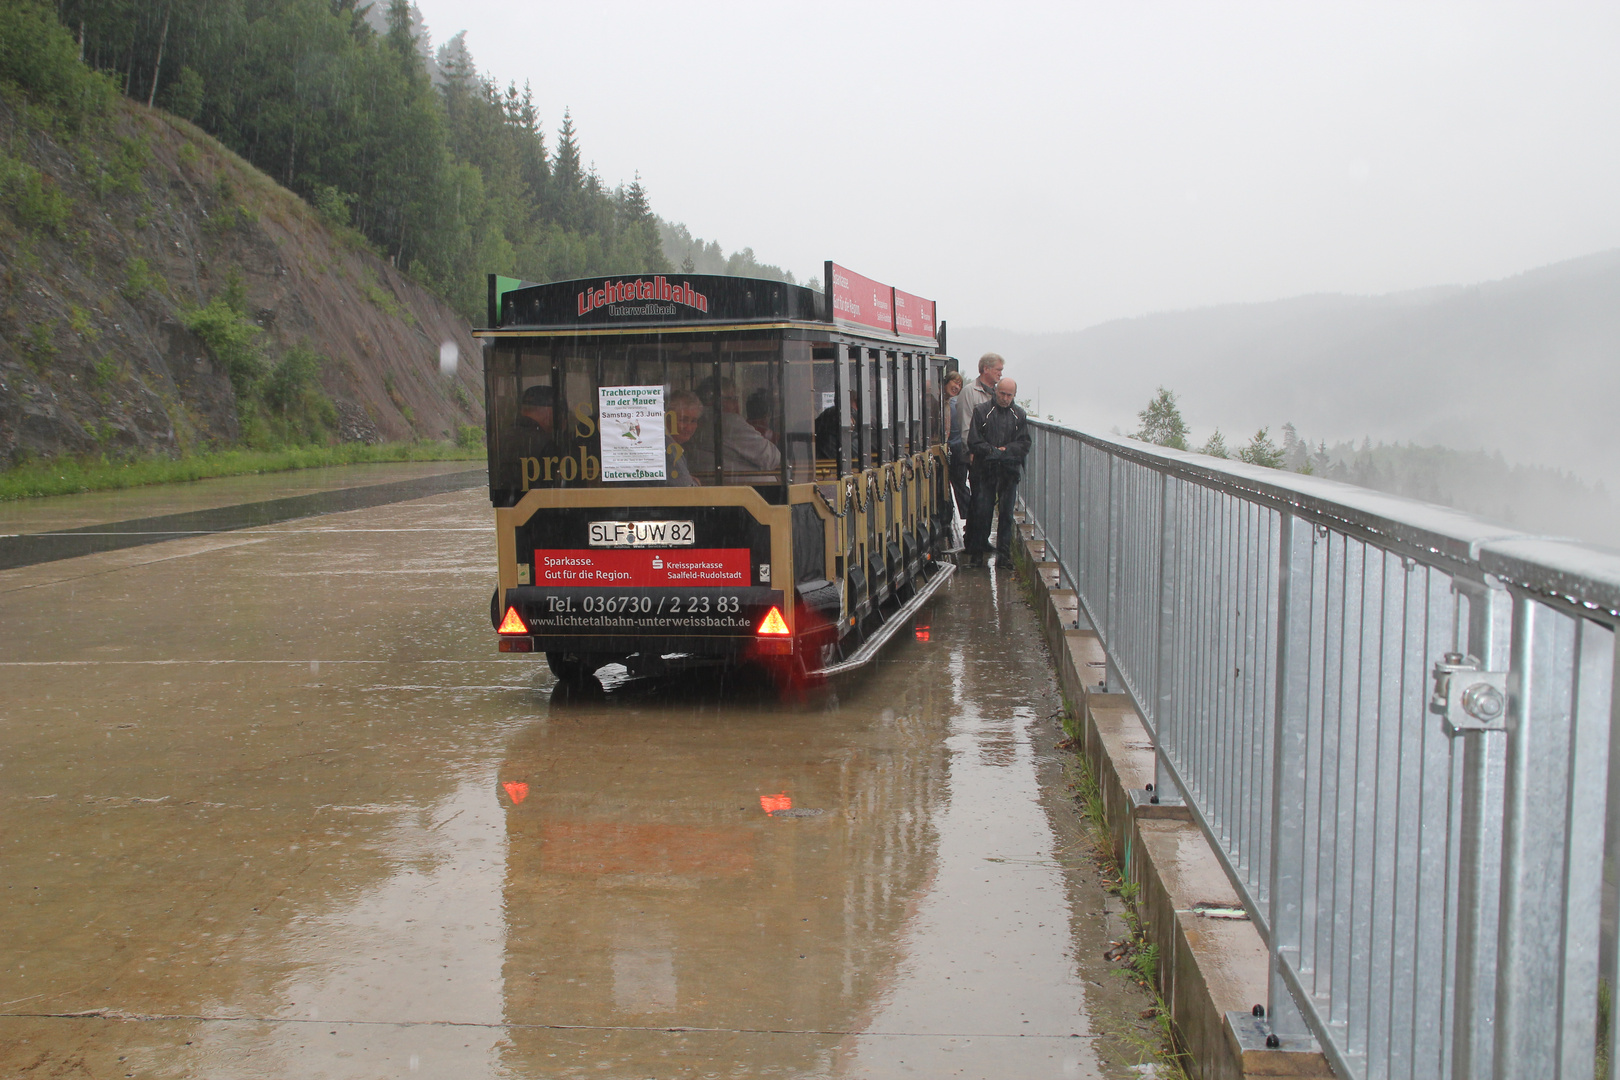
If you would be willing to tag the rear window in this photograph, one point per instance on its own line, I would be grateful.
(591, 412)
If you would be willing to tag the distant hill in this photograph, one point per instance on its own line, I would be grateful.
(1528, 366)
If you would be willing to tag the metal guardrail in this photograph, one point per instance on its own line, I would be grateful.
(1391, 720)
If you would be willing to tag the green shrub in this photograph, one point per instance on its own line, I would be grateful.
(233, 339)
(298, 372)
(40, 345)
(235, 291)
(383, 300)
(33, 196)
(105, 372)
(222, 220)
(469, 437)
(282, 404)
(79, 321)
(129, 161)
(334, 206)
(138, 280)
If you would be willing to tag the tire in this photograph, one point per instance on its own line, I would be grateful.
(572, 667)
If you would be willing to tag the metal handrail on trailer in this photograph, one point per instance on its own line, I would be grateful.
(869, 649)
(1393, 723)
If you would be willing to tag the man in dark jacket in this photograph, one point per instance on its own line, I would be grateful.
(998, 438)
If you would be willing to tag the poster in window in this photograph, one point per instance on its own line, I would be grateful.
(632, 419)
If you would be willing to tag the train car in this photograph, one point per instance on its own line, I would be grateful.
(690, 469)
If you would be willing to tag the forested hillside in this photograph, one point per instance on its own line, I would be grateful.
(449, 183)
(159, 294)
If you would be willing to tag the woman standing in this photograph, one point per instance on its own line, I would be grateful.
(956, 442)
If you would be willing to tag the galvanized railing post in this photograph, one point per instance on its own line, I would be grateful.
(1112, 682)
(1289, 850)
(1054, 507)
(1478, 762)
(1164, 720)
(1557, 766)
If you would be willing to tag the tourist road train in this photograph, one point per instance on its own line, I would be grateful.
(690, 469)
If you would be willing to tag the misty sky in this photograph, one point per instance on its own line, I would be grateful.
(1050, 166)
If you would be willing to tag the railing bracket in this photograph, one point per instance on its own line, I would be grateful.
(1254, 1036)
(1468, 698)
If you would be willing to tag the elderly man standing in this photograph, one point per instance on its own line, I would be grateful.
(998, 438)
(974, 394)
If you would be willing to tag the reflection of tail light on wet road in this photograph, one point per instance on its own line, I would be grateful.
(771, 804)
(922, 632)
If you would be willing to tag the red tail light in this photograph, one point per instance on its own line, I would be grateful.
(774, 625)
(512, 624)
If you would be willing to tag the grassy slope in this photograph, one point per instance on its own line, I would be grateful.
(73, 475)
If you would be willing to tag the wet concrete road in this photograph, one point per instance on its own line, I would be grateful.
(273, 807)
(31, 534)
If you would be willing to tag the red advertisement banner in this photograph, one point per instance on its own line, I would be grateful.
(643, 567)
(914, 317)
(860, 301)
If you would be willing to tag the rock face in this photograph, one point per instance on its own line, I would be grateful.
(160, 219)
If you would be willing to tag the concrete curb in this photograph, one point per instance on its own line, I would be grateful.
(1212, 962)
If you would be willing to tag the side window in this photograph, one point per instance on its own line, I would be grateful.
(862, 403)
(829, 429)
(902, 404)
(800, 407)
(741, 434)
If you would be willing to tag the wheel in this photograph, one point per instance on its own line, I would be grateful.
(572, 667)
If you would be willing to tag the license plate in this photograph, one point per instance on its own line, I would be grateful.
(641, 534)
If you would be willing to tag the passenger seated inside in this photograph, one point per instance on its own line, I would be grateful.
(685, 415)
(758, 414)
(536, 431)
(534, 409)
(742, 448)
(828, 426)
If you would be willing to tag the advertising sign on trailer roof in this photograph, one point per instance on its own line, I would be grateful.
(860, 301)
(914, 317)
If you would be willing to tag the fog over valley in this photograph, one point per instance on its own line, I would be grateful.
(1524, 367)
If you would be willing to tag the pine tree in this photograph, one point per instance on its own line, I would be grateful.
(1262, 451)
(567, 177)
(634, 205)
(457, 63)
(1295, 450)
(1162, 424)
(1215, 446)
